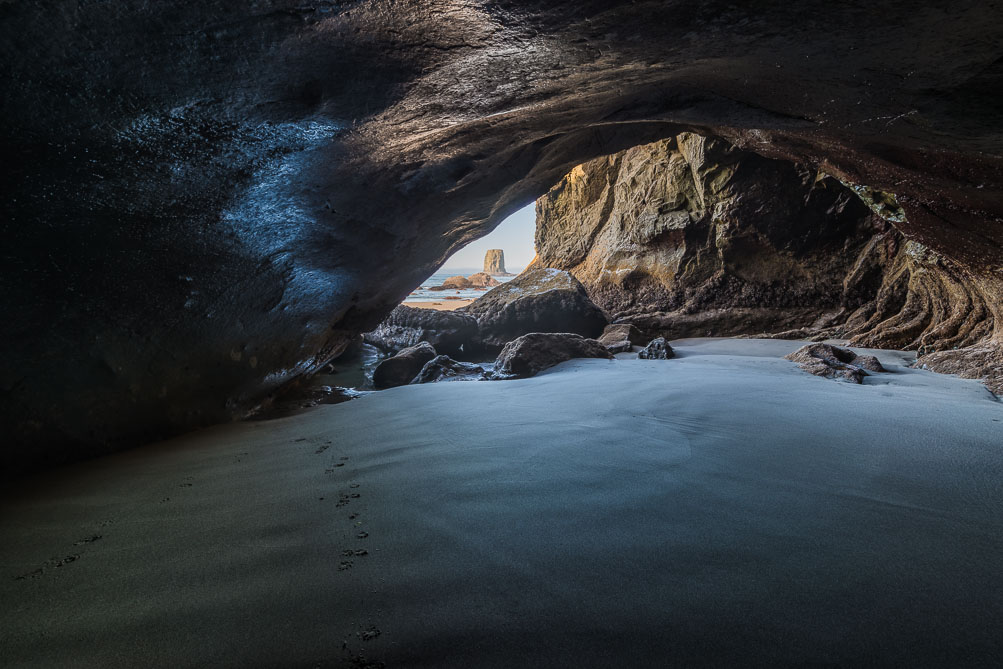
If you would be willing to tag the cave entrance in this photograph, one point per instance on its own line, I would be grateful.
(483, 264)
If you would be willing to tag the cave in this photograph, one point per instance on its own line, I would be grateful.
(212, 205)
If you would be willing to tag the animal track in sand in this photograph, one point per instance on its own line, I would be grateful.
(322, 449)
(369, 633)
(354, 553)
(88, 540)
(362, 535)
(344, 565)
(54, 563)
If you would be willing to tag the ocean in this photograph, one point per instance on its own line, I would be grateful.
(422, 294)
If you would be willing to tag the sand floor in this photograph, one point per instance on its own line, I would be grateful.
(720, 509)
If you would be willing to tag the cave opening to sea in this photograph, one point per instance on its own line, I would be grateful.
(728, 400)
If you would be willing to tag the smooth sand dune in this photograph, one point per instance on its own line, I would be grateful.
(720, 509)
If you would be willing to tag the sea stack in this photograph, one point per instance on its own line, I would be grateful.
(494, 262)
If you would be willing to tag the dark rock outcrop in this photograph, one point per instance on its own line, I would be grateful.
(444, 368)
(208, 200)
(621, 337)
(494, 262)
(657, 349)
(532, 353)
(403, 367)
(447, 331)
(833, 362)
(538, 300)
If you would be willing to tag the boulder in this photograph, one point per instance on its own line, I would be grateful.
(657, 349)
(483, 280)
(457, 282)
(538, 300)
(447, 331)
(444, 368)
(454, 283)
(532, 353)
(621, 337)
(833, 362)
(400, 369)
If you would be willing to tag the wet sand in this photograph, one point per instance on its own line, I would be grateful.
(439, 305)
(720, 509)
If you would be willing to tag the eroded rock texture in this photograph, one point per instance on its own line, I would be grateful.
(691, 236)
(209, 199)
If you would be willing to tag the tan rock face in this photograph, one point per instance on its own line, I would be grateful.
(691, 236)
(483, 280)
(494, 262)
(693, 225)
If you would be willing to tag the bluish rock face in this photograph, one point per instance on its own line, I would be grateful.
(209, 199)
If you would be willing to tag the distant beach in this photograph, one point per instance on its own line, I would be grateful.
(439, 305)
(447, 300)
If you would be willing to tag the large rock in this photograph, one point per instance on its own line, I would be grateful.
(454, 283)
(483, 280)
(833, 362)
(538, 300)
(494, 262)
(444, 368)
(403, 367)
(210, 199)
(447, 331)
(532, 353)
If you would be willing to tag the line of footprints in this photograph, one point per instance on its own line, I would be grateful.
(344, 499)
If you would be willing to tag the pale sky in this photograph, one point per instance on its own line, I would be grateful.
(514, 236)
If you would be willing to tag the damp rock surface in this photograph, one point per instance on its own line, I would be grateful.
(532, 353)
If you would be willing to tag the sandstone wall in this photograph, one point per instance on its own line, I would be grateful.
(691, 236)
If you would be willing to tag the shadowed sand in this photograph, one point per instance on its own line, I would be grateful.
(439, 305)
(720, 509)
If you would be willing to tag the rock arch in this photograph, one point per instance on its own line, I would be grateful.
(210, 199)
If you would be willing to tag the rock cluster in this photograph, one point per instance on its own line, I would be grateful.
(833, 362)
(448, 331)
